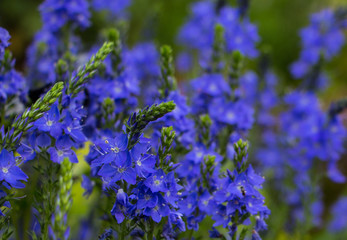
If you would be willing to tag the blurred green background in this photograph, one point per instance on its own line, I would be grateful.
(279, 22)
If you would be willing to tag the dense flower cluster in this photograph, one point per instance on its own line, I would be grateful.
(12, 83)
(166, 159)
(321, 41)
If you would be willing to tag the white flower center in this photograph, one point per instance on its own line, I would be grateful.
(157, 182)
(115, 150)
(5, 170)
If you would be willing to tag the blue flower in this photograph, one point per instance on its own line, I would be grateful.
(28, 151)
(221, 217)
(184, 62)
(193, 223)
(63, 150)
(87, 184)
(116, 7)
(255, 235)
(56, 14)
(198, 31)
(111, 149)
(146, 199)
(339, 220)
(188, 204)
(214, 233)
(324, 36)
(144, 163)
(73, 128)
(121, 206)
(50, 122)
(238, 114)
(160, 210)
(175, 218)
(121, 169)
(157, 181)
(4, 38)
(211, 84)
(239, 35)
(9, 171)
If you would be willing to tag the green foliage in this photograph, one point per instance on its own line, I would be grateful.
(64, 200)
(137, 122)
(235, 70)
(116, 54)
(46, 194)
(205, 124)
(218, 48)
(89, 69)
(23, 122)
(241, 151)
(167, 71)
(166, 139)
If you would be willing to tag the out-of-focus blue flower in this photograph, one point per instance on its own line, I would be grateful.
(12, 83)
(211, 84)
(87, 184)
(309, 131)
(142, 61)
(322, 38)
(198, 32)
(238, 113)
(339, 220)
(4, 41)
(184, 62)
(116, 7)
(56, 14)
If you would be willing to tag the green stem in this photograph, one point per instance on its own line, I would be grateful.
(190, 236)
(2, 113)
(122, 233)
(150, 232)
